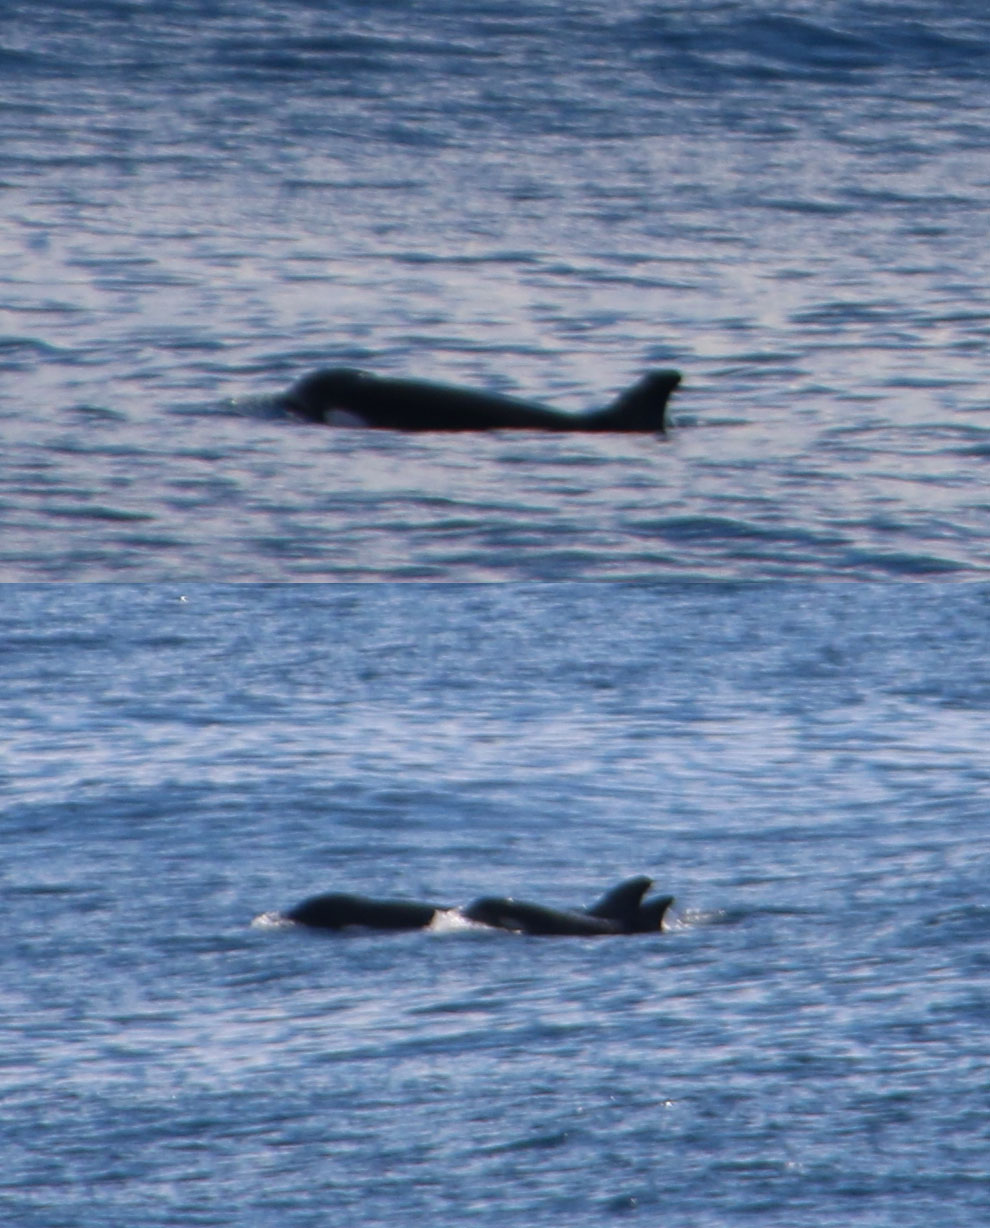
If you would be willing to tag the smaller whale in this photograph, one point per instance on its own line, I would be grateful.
(343, 396)
(622, 910)
(626, 904)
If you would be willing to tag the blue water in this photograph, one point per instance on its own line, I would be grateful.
(803, 765)
(201, 202)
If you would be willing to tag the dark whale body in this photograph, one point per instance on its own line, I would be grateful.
(344, 396)
(620, 911)
(336, 912)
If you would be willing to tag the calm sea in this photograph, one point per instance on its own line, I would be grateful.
(201, 202)
(803, 765)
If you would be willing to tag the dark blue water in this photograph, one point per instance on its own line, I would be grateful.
(789, 202)
(803, 766)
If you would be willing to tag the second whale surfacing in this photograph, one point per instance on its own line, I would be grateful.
(622, 910)
(344, 396)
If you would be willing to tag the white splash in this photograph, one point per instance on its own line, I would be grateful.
(271, 921)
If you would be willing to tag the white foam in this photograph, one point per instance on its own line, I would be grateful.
(449, 921)
(271, 921)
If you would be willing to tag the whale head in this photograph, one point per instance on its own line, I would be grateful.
(321, 394)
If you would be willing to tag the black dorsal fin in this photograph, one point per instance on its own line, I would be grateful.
(643, 407)
(650, 915)
(621, 903)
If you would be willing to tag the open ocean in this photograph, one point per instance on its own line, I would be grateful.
(750, 659)
(803, 766)
(789, 202)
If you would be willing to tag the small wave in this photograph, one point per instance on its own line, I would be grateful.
(968, 921)
(886, 563)
(535, 1142)
(777, 46)
(272, 921)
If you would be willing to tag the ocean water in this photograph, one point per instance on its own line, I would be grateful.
(788, 202)
(802, 765)
(199, 204)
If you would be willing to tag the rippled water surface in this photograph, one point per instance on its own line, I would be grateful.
(803, 766)
(788, 202)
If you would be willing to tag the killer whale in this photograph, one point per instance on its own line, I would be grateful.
(350, 397)
(339, 911)
(622, 910)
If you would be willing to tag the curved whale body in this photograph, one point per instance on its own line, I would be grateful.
(349, 397)
(337, 912)
(620, 911)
